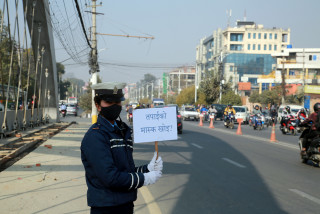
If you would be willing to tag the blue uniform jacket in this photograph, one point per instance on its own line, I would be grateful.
(111, 175)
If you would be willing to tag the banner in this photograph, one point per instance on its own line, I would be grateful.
(155, 124)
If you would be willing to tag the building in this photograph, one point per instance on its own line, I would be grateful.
(241, 53)
(181, 78)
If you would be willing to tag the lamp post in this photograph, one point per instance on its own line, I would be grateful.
(45, 95)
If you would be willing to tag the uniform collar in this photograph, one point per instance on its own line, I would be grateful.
(106, 124)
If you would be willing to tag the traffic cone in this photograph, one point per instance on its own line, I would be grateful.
(200, 123)
(273, 134)
(239, 132)
(211, 123)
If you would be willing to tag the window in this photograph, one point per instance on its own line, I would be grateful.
(265, 36)
(237, 37)
(259, 47)
(275, 36)
(270, 36)
(249, 35)
(253, 47)
(259, 35)
(265, 47)
(310, 57)
(248, 46)
(231, 68)
(275, 47)
(270, 47)
(234, 47)
(254, 35)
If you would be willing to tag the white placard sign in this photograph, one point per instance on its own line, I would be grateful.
(155, 124)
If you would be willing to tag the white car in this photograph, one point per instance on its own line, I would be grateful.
(189, 112)
(242, 113)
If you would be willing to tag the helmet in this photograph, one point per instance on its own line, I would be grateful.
(229, 105)
(256, 106)
(302, 110)
(288, 108)
(316, 107)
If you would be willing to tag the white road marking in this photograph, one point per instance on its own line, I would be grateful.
(305, 195)
(151, 203)
(196, 145)
(234, 163)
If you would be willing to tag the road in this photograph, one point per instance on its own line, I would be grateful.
(216, 171)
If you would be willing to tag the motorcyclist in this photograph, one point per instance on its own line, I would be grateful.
(301, 115)
(256, 111)
(315, 127)
(286, 115)
(228, 110)
(274, 115)
(63, 109)
(212, 109)
(204, 110)
(130, 109)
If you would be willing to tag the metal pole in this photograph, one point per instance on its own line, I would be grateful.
(151, 91)
(283, 84)
(179, 87)
(159, 88)
(94, 76)
(196, 84)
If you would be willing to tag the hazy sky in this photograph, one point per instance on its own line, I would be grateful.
(177, 26)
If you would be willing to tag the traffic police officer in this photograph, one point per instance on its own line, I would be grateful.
(106, 153)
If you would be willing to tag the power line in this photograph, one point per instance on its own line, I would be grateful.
(83, 28)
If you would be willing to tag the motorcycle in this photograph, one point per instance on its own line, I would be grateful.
(63, 113)
(257, 122)
(205, 116)
(130, 118)
(313, 152)
(251, 120)
(301, 118)
(290, 127)
(229, 123)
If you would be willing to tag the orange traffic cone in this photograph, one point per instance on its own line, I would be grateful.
(211, 123)
(273, 134)
(200, 123)
(239, 132)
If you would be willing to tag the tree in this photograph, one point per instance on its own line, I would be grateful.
(231, 98)
(186, 96)
(254, 97)
(86, 99)
(210, 86)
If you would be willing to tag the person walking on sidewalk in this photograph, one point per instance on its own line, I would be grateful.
(106, 153)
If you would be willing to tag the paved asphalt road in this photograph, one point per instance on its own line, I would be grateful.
(216, 171)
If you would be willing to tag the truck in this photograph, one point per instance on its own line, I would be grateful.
(158, 102)
(73, 100)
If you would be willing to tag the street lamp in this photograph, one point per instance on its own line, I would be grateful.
(45, 93)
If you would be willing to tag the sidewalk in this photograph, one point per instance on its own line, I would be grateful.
(58, 185)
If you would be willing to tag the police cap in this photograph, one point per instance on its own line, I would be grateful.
(109, 91)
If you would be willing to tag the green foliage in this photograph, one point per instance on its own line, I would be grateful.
(231, 98)
(86, 102)
(267, 96)
(254, 97)
(186, 96)
(295, 99)
(210, 86)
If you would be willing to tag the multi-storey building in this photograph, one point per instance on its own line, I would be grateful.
(181, 78)
(242, 52)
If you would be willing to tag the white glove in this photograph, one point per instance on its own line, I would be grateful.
(151, 177)
(155, 165)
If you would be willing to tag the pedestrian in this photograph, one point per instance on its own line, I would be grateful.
(106, 153)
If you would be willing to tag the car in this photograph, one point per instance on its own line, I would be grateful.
(189, 112)
(179, 121)
(72, 109)
(134, 105)
(220, 110)
(242, 113)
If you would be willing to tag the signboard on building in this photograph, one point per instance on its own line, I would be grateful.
(312, 89)
(244, 86)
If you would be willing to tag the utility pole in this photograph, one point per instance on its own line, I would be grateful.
(94, 60)
(179, 88)
(196, 84)
(151, 91)
(283, 83)
(159, 88)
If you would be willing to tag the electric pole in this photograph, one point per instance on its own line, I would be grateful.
(94, 67)
(283, 83)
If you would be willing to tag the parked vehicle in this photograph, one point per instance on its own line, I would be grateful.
(220, 111)
(241, 113)
(229, 123)
(189, 113)
(158, 102)
(313, 152)
(72, 109)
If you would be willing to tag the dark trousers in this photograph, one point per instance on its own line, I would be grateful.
(121, 209)
(310, 135)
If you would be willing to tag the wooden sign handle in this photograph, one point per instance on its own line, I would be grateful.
(156, 148)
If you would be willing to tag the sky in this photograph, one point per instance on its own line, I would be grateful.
(177, 25)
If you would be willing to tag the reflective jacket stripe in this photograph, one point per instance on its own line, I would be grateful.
(131, 181)
(138, 180)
